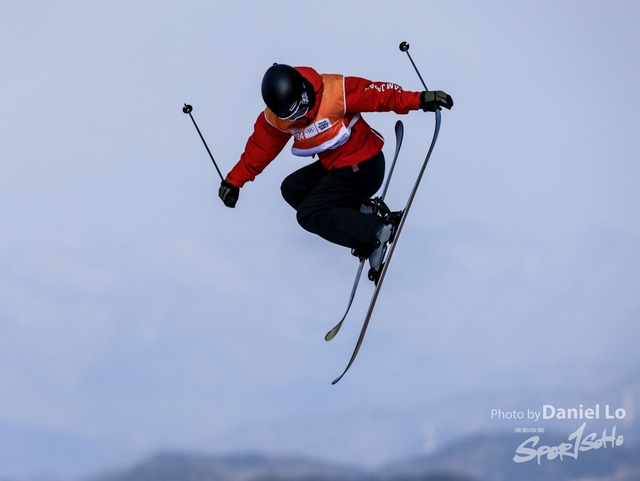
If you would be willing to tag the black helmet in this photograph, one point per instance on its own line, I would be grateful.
(286, 92)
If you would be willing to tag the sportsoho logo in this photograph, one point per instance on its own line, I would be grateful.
(577, 442)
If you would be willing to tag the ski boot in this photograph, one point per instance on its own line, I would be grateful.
(375, 259)
(384, 236)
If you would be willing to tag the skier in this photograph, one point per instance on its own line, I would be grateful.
(323, 114)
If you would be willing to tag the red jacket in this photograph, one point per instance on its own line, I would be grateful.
(361, 95)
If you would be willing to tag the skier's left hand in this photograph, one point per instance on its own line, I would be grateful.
(432, 100)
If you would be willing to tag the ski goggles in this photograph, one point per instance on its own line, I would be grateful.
(299, 109)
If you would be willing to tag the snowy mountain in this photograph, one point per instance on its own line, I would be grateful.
(486, 457)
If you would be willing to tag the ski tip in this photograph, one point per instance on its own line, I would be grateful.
(341, 375)
(332, 333)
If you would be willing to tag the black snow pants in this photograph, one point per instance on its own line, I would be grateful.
(327, 202)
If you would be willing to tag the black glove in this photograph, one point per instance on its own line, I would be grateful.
(432, 100)
(229, 193)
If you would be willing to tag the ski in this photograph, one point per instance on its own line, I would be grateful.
(385, 264)
(399, 130)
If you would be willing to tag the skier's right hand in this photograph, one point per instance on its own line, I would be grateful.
(229, 193)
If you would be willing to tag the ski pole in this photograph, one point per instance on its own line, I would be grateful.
(404, 46)
(187, 110)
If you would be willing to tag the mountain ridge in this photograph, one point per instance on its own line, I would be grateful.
(483, 457)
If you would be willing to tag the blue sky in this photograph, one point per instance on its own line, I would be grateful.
(138, 313)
